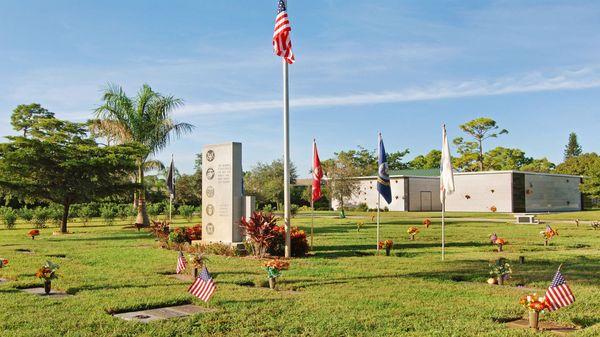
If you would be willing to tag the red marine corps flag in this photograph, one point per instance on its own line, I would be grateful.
(317, 172)
(317, 175)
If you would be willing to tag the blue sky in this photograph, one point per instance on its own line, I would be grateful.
(399, 67)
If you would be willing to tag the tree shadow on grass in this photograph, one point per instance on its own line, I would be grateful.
(577, 270)
(338, 251)
(75, 290)
(129, 236)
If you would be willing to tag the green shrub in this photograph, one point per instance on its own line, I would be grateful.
(25, 214)
(125, 211)
(155, 209)
(40, 217)
(293, 209)
(362, 207)
(85, 213)
(55, 213)
(268, 208)
(109, 212)
(9, 217)
(187, 211)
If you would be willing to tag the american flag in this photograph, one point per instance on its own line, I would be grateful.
(181, 263)
(204, 286)
(282, 44)
(559, 294)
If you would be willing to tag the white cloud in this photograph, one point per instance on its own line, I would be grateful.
(573, 79)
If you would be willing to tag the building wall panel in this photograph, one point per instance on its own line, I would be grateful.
(548, 193)
(481, 192)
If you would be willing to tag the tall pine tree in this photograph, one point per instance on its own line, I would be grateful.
(573, 149)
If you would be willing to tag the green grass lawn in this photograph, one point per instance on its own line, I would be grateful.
(342, 290)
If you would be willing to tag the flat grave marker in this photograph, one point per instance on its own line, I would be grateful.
(41, 292)
(543, 326)
(146, 316)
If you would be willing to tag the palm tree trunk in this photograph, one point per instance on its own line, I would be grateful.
(142, 217)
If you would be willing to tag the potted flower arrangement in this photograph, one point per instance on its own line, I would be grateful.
(500, 242)
(534, 306)
(48, 273)
(197, 261)
(500, 270)
(548, 234)
(387, 244)
(427, 223)
(274, 268)
(33, 233)
(3, 262)
(493, 238)
(412, 231)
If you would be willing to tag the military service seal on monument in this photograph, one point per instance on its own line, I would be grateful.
(210, 155)
(210, 228)
(210, 209)
(210, 173)
(210, 191)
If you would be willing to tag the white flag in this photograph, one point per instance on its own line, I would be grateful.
(446, 174)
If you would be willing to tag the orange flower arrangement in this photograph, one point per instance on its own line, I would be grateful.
(33, 233)
(533, 303)
(47, 271)
(494, 209)
(275, 266)
(387, 244)
(427, 223)
(500, 241)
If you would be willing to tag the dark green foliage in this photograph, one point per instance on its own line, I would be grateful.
(9, 217)
(587, 165)
(40, 217)
(187, 211)
(109, 213)
(59, 164)
(429, 161)
(573, 149)
(25, 117)
(25, 213)
(265, 181)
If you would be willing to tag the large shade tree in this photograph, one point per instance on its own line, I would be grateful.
(145, 119)
(60, 163)
(265, 181)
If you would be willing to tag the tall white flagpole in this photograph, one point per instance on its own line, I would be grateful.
(443, 226)
(378, 202)
(286, 159)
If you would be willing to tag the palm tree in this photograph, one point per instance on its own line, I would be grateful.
(145, 119)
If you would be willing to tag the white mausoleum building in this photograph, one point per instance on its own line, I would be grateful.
(490, 191)
(412, 190)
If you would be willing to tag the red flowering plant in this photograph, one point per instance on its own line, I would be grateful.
(33, 233)
(261, 231)
(3, 262)
(161, 230)
(194, 233)
(427, 223)
(297, 238)
(179, 236)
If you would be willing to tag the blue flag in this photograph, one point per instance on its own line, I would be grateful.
(383, 178)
